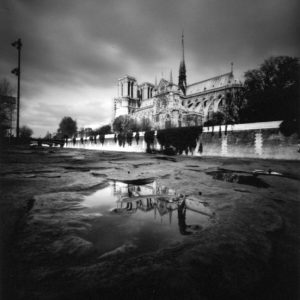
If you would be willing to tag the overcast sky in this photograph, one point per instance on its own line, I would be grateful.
(74, 51)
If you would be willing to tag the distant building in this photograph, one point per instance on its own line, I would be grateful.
(175, 105)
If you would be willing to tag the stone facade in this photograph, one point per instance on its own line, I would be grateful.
(169, 105)
(165, 105)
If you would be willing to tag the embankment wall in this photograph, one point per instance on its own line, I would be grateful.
(252, 140)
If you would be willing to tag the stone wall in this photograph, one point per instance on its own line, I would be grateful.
(253, 140)
(260, 140)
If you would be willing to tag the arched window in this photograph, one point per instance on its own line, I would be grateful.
(168, 121)
(179, 120)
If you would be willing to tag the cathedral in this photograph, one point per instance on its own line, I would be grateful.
(166, 104)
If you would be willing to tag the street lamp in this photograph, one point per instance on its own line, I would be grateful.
(17, 71)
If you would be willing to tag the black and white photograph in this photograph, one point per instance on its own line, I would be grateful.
(149, 150)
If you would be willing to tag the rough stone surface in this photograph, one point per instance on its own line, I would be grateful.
(250, 250)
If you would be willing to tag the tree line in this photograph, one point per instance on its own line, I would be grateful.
(271, 92)
(68, 128)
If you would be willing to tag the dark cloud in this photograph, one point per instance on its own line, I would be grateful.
(74, 51)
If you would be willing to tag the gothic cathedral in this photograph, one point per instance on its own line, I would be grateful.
(170, 105)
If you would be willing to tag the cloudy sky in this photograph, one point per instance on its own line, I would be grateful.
(74, 51)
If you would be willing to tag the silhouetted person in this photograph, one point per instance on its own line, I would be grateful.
(129, 206)
(120, 139)
(129, 192)
(200, 148)
(137, 138)
(149, 203)
(181, 219)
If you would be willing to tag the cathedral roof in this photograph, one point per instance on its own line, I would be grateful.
(163, 81)
(211, 83)
(146, 83)
(127, 77)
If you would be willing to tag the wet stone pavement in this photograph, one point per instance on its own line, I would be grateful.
(79, 224)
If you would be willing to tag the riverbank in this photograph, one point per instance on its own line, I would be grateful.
(243, 244)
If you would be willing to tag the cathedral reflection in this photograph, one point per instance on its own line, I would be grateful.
(162, 200)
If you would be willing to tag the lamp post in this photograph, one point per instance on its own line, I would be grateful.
(17, 71)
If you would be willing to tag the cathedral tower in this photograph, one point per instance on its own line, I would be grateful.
(182, 70)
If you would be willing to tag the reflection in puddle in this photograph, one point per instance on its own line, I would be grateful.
(142, 217)
(231, 176)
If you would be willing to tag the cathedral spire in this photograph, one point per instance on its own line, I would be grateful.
(182, 45)
(171, 77)
(182, 69)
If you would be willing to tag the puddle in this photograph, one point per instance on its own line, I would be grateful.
(141, 216)
(242, 190)
(199, 171)
(235, 177)
(166, 158)
(95, 174)
(75, 169)
(167, 176)
(142, 165)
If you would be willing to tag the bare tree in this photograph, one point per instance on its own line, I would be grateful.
(25, 132)
(5, 88)
(7, 107)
